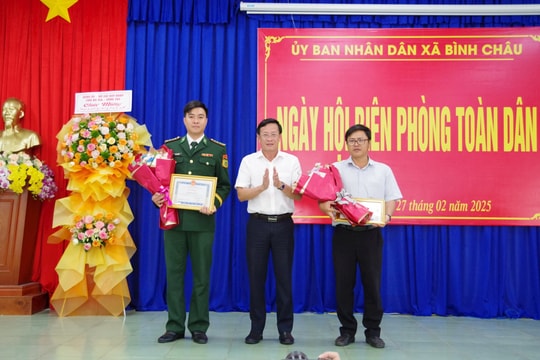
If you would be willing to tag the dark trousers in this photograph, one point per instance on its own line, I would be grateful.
(178, 246)
(349, 249)
(264, 238)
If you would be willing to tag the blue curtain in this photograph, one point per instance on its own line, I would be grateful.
(206, 49)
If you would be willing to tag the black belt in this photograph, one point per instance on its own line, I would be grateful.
(272, 218)
(356, 228)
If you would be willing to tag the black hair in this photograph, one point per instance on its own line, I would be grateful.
(266, 122)
(296, 355)
(358, 127)
(195, 104)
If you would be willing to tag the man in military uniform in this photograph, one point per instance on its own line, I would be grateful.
(195, 154)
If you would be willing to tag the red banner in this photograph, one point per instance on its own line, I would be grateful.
(454, 113)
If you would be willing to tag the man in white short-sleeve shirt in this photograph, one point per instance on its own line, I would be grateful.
(266, 181)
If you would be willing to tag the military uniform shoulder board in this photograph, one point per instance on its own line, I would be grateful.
(173, 139)
(217, 142)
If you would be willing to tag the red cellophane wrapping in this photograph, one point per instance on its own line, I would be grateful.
(323, 183)
(354, 211)
(153, 172)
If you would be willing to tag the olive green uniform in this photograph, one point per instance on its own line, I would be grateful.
(194, 235)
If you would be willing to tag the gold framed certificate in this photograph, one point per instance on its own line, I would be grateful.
(192, 192)
(376, 206)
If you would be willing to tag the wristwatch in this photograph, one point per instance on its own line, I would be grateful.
(389, 217)
(282, 186)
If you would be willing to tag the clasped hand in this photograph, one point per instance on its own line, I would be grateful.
(275, 179)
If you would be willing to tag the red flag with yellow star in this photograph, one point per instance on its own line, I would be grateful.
(53, 49)
(58, 8)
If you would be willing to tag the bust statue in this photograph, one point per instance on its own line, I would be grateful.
(14, 138)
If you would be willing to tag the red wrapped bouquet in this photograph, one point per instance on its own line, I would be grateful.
(152, 171)
(323, 183)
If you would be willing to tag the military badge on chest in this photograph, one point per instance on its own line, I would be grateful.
(207, 155)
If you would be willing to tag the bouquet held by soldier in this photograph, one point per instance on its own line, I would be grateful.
(152, 170)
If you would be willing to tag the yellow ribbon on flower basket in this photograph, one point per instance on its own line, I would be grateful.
(95, 152)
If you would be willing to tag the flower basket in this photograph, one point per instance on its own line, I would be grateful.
(95, 151)
(94, 231)
(20, 171)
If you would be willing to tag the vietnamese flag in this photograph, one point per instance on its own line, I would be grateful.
(51, 50)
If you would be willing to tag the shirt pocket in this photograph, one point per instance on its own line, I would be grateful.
(180, 162)
(206, 166)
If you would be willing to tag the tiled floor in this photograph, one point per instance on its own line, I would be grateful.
(46, 336)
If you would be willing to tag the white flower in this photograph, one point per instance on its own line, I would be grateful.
(104, 130)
